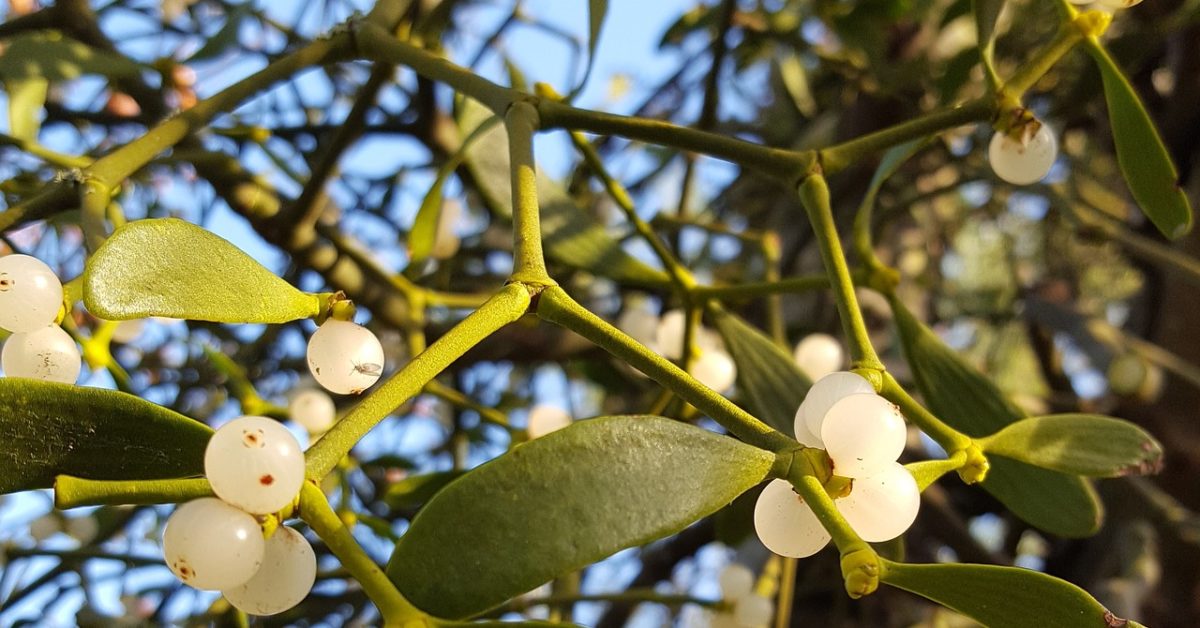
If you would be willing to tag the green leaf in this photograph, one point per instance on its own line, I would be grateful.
(563, 501)
(170, 267)
(415, 490)
(49, 429)
(53, 56)
(961, 396)
(1144, 161)
(1081, 444)
(227, 37)
(986, 14)
(597, 11)
(570, 235)
(769, 382)
(25, 99)
(424, 231)
(1001, 597)
(795, 81)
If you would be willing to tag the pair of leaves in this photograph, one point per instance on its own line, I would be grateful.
(961, 396)
(569, 235)
(49, 429)
(1001, 597)
(563, 501)
(170, 267)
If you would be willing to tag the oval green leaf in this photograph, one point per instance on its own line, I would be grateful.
(563, 501)
(1080, 444)
(771, 384)
(1001, 597)
(170, 267)
(49, 429)
(961, 396)
(1148, 169)
(570, 236)
(415, 490)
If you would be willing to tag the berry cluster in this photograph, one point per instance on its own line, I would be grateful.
(864, 435)
(344, 357)
(31, 297)
(712, 366)
(255, 467)
(749, 610)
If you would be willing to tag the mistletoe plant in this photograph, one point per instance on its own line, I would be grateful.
(828, 452)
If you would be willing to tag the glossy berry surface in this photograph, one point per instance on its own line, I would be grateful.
(345, 358)
(48, 354)
(736, 581)
(287, 574)
(819, 355)
(211, 545)
(820, 398)
(255, 464)
(883, 506)
(863, 433)
(786, 524)
(313, 410)
(1022, 163)
(714, 368)
(30, 294)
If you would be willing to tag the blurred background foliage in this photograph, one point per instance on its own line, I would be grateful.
(1060, 291)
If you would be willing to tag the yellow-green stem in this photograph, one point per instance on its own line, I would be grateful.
(73, 492)
(505, 307)
(529, 264)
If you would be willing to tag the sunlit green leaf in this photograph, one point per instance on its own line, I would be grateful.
(1144, 161)
(769, 382)
(172, 268)
(25, 100)
(1082, 444)
(961, 396)
(563, 501)
(570, 236)
(597, 11)
(1002, 597)
(986, 14)
(53, 56)
(49, 429)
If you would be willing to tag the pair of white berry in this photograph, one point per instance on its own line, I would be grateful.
(30, 299)
(344, 357)
(255, 467)
(712, 366)
(750, 610)
(864, 435)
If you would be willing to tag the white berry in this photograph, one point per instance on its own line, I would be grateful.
(639, 323)
(669, 335)
(820, 398)
(211, 545)
(344, 357)
(715, 369)
(30, 294)
(786, 524)
(819, 355)
(313, 410)
(1022, 163)
(48, 354)
(863, 434)
(544, 419)
(255, 464)
(126, 332)
(754, 611)
(881, 507)
(736, 581)
(289, 569)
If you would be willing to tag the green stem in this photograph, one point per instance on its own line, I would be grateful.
(860, 564)
(838, 157)
(73, 492)
(315, 510)
(1024, 78)
(505, 307)
(59, 160)
(529, 264)
(814, 195)
(556, 306)
(452, 396)
(949, 438)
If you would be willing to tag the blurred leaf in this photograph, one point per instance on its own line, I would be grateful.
(1001, 597)
(986, 14)
(1144, 160)
(570, 236)
(698, 17)
(49, 429)
(415, 490)
(1061, 504)
(597, 11)
(227, 37)
(26, 97)
(769, 382)
(170, 267)
(423, 235)
(563, 501)
(1082, 444)
(495, 623)
(53, 56)
(795, 81)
